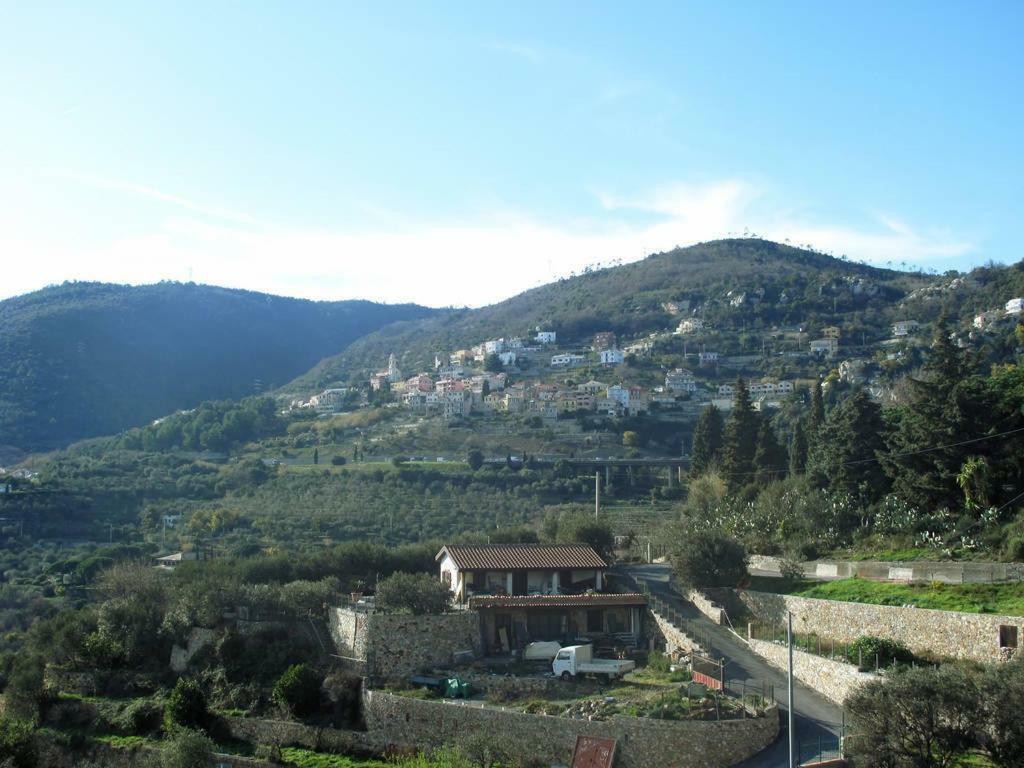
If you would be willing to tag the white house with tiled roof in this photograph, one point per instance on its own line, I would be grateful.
(539, 592)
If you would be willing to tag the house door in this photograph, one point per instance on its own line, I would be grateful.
(519, 583)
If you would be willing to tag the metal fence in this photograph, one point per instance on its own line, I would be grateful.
(689, 627)
(848, 652)
(823, 748)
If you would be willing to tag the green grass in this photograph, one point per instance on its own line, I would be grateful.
(305, 758)
(967, 598)
(126, 741)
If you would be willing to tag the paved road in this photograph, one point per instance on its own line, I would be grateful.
(816, 717)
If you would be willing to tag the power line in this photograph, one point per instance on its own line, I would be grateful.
(883, 457)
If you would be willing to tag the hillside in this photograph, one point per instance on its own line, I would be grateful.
(86, 359)
(782, 284)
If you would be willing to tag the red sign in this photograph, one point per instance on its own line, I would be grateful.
(593, 752)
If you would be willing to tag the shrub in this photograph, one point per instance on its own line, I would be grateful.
(187, 749)
(298, 690)
(710, 560)
(865, 648)
(338, 461)
(475, 459)
(16, 745)
(416, 593)
(186, 706)
(342, 690)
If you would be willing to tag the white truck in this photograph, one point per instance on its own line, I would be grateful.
(574, 660)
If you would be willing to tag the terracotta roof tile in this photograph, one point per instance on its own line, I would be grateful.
(521, 557)
(556, 601)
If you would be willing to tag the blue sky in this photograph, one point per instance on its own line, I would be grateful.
(453, 153)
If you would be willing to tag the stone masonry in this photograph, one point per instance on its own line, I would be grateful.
(835, 680)
(393, 645)
(642, 742)
(975, 636)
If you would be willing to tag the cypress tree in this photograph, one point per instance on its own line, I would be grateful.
(770, 457)
(740, 440)
(817, 409)
(707, 441)
(798, 450)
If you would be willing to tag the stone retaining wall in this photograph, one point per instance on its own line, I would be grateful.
(835, 680)
(286, 733)
(941, 633)
(394, 645)
(642, 742)
(706, 605)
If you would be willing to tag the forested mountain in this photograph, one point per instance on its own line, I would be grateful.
(85, 359)
(734, 284)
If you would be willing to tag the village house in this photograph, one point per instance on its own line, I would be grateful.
(632, 400)
(903, 328)
(707, 358)
(544, 337)
(612, 357)
(566, 360)
(759, 389)
(604, 340)
(1015, 306)
(451, 371)
(831, 332)
(983, 320)
(592, 387)
(824, 347)
(690, 325)
(329, 401)
(680, 380)
(534, 592)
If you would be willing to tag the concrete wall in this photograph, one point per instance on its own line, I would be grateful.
(642, 742)
(941, 633)
(393, 644)
(835, 680)
(915, 570)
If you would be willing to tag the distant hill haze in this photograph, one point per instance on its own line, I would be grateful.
(87, 359)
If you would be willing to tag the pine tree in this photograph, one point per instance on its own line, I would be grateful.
(945, 407)
(740, 440)
(798, 450)
(845, 458)
(770, 457)
(707, 441)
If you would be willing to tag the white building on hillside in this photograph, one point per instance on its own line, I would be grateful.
(544, 337)
(680, 380)
(903, 328)
(567, 360)
(612, 356)
(1015, 306)
(824, 347)
(690, 326)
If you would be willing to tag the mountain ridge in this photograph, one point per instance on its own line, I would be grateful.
(84, 359)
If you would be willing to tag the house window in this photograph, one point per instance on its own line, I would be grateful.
(1007, 636)
(595, 620)
(446, 577)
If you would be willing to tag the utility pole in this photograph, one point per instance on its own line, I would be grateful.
(597, 494)
(789, 642)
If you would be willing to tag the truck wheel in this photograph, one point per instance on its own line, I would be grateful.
(566, 677)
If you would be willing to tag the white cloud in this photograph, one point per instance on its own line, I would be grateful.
(527, 52)
(440, 263)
